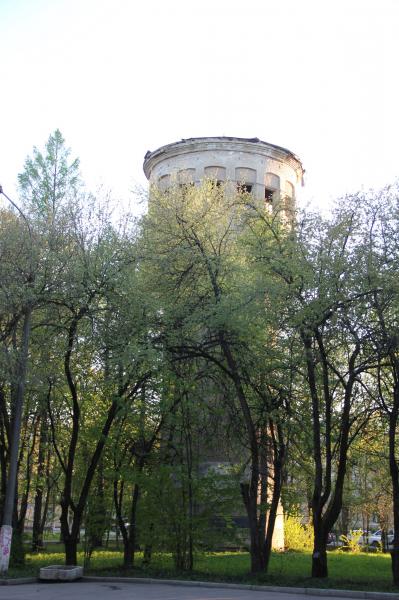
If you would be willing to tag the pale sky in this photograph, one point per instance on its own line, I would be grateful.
(120, 77)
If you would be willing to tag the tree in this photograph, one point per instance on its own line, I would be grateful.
(49, 180)
(326, 292)
(99, 369)
(212, 309)
(65, 276)
(18, 299)
(381, 259)
(137, 432)
(43, 184)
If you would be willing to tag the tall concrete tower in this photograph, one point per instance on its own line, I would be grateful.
(272, 175)
(269, 172)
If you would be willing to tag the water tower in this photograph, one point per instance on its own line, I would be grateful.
(269, 172)
(272, 174)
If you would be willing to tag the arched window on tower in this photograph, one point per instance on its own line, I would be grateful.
(164, 183)
(246, 179)
(216, 174)
(186, 177)
(289, 199)
(289, 190)
(272, 188)
(185, 180)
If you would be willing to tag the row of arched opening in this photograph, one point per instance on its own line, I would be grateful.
(245, 178)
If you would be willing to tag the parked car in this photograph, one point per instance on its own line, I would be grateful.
(375, 539)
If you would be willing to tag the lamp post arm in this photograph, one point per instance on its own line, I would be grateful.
(2, 192)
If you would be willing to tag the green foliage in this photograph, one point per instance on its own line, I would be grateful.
(192, 331)
(49, 178)
(297, 536)
(96, 521)
(170, 523)
(17, 556)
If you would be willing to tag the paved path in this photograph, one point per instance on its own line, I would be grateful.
(135, 591)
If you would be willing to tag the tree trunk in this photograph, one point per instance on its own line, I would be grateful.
(257, 560)
(39, 514)
(71, 557)
(395, 565)
(255, 550)
(319, 556)
(127, 554)
(37, 533)
(148, 548)
(345, 520)
(118, 502)
(25, 496)
(249, 491)
(131, 542)
(6, 528)
(393, 467)
(278, 449)
(4, 445)
(271, 521)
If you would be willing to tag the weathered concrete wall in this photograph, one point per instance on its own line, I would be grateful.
(246, 161)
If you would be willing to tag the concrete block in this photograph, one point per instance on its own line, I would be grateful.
(61, 573)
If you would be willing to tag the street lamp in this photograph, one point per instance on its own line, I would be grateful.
(6, 526)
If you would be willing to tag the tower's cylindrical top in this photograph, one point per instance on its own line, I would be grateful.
(264, 169)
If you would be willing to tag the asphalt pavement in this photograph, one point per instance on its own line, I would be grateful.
(84, 590)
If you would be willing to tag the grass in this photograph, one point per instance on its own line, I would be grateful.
(356, 572)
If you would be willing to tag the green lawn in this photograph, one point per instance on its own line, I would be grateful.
(360, 571)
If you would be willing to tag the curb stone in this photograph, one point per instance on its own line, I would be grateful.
(258, 588)
(18, 581)
(233, 586)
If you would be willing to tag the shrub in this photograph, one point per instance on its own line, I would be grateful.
(297, 536)
(351, 541)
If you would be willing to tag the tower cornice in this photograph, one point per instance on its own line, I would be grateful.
(234, 144)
